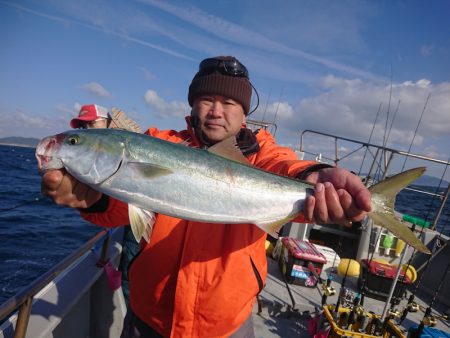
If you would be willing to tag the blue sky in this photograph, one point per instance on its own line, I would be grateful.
(323, 65)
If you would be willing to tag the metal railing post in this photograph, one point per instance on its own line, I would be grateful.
(23, 318)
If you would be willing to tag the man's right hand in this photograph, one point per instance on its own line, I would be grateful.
(65, 190)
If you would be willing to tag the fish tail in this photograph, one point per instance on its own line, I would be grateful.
(383, 201)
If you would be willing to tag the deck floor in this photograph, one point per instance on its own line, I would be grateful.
(277, 319)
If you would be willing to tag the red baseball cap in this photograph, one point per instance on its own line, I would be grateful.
(89, 112)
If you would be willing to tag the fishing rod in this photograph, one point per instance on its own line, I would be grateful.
(417, 128)
(35, 200)
(341, 291)
(278, 106)
(393, 119)
(327, 289)
(428, 319)
(370, 138)
(265, 109)
(392, 300)
(412, 306)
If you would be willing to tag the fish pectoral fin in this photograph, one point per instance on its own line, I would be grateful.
(150, 170)
(398, 229)
(141, 222)
(272, 227)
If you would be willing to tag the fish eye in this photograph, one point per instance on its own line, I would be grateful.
(73, 140)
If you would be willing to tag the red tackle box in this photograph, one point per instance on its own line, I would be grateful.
(379, 276)
(297, 261)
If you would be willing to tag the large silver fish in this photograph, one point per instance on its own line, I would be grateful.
(214, 186)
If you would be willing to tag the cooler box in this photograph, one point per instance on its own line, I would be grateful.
(332, 258)
(378, 278)
(297, 259)
(427, 332)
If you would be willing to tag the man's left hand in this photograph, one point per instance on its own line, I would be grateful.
(340, 197)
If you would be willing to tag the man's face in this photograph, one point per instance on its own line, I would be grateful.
(219, 117)
(96, 124)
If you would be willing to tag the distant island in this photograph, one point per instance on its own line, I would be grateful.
(425, 181)
(430, 181)
(19, 141)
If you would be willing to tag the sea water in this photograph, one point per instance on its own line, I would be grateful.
(36, 234)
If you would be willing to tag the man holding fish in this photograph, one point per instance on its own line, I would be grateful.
(195, 277)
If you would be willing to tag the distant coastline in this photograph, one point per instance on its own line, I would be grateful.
(17, 141)
(17, 145)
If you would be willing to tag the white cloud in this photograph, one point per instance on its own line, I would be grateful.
(96, 89)
(97, 16)
(426, 50)
(348, 108)
(237, 34)
(21, 123)
(147, 74)
(165, 109)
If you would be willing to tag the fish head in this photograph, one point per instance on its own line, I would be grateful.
(91, 155)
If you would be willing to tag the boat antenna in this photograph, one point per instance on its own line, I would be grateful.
(415, 131)
(265, 110)
(278, 105)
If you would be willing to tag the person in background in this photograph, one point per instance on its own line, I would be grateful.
(198, 279)
(93, 116)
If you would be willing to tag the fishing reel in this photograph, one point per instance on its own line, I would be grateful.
(347, 297)
(359, 310)
(328, 290)
(394, 313)
(429, 321)
(413, 307)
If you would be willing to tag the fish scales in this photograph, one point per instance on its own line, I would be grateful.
(209, 189)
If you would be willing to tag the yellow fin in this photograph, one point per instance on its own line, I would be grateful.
(228, 149)
(141, 222)
(273, 226)
(398, 229)
(391, 186)
(150, 170)
(383, 199)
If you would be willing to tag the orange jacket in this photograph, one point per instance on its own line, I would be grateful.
(200, 279)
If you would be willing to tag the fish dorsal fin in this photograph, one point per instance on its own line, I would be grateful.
(185, 142)
(228, 149)
(150, 170)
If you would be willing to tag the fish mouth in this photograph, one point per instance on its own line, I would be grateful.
(45, 154)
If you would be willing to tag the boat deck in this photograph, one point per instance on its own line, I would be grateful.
(279, 319)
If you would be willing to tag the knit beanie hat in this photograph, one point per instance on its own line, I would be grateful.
(219, 81)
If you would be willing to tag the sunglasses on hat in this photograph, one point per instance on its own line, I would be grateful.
(227, 67)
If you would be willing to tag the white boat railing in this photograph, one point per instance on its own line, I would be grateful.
(381, 159)
(24, 299)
